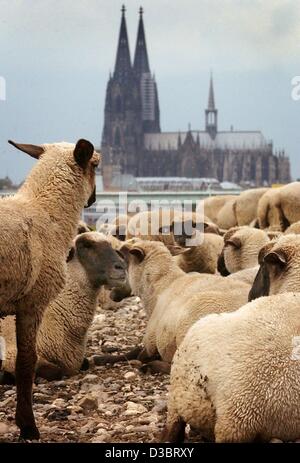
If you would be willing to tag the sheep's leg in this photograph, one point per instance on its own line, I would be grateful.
(133, 354)
(174, 432)
(157, 366)
(48, 370)
(27, 325)
(85, 365)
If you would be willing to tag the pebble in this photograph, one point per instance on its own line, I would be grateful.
(275, 441)
(130, 375)
(134, 409)
(88, 403)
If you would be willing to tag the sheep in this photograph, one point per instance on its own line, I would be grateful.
(241, 249)
(202, 258)
(213, 205)
(279, 267)
(235, 376)
(245, 206)
(172, 299)
(121, 223)
(37, 226)
(280, 206)
(294, 228)
(226, 216)
(82, 227)
(158, 225)
(61, 340)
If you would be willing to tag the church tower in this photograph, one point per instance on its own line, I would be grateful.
(148, 87)
(211, 113)
(122, 135)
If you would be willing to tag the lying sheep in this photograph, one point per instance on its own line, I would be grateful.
(235, 376)
(246, 205)
(241, 249)
(158, 225)
(202, 258)
(37, 226)
(280, 206)
(279, 267)
(62, 337)
(294, 228)
(175, 300)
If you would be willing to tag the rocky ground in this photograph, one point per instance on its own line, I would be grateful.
(111, 403)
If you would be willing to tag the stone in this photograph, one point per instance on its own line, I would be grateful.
(275, 441)
(88, 403)
(130, 375)
(134, 409)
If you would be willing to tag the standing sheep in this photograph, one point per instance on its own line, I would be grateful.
(37, 226)
(280, 206)
(214, 204)
(61, 341)
(246, 205)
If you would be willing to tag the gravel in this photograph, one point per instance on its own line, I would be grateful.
(109, 403)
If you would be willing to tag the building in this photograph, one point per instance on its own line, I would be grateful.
(133, 143)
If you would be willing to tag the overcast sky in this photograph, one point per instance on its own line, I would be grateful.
(55, 56)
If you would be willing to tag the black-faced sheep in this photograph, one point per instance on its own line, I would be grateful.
(37, 226)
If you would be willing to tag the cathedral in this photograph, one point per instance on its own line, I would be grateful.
(133, 143)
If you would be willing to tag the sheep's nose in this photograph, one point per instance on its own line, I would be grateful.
(119, 267)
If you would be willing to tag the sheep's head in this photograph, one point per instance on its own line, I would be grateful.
(279, 270)
(81, 158)
(147, 261)
(103, 265)
(241, 248)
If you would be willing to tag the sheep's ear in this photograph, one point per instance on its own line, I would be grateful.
(83, 152)
(277, 257)
(273, 234)
(34, 151)
(177, 250)
(71, 254)
(138, 253)
(235, 242)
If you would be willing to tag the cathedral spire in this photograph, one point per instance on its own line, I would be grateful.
(141, 62)
(211, 113)
(123, 63)
(211, 96)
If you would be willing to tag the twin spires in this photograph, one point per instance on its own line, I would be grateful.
(141, 63)
(123, 62)
(123, 66)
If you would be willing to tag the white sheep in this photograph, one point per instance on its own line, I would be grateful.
(246, 205)
(37, 226)
(241, 249)
(235, 376)
(175, 300)
(62, 337)
(280, 206)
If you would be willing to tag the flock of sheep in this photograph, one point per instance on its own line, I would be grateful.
(234, 365)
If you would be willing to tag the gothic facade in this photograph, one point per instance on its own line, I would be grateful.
(132, 141)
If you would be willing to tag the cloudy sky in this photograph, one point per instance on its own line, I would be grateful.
(56, 56)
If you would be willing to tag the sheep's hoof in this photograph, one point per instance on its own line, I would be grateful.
(157, 366)
(29, 433)
(85, 365)
(7, 378)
